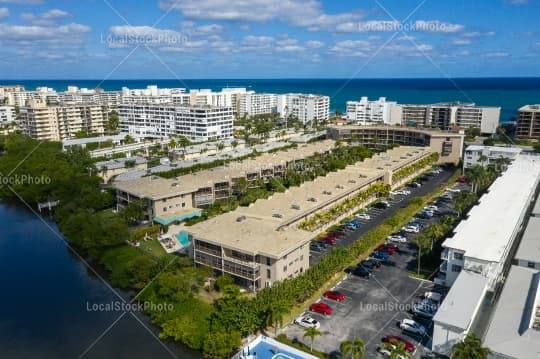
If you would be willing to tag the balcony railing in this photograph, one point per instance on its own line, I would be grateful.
(444, 254)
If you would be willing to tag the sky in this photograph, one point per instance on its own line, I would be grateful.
(152, 39)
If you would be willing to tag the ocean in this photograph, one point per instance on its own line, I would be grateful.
(507, 93)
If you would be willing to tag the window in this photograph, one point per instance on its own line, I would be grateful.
(530, 264)
(183, 204)
(268, 261)
(458, 256)
(302, 257)
(268, 274)
(284, 268)
(456, 268)
(164, 209)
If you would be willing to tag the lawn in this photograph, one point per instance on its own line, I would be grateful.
(153, 247)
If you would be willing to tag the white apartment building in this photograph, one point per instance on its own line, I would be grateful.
(198, 123)
(486, 155)
(252, 103)
(446, 114)
(154, 95)
(481, 242)
(378, 112)
(59, 122)
(477, 258)
(307, 108)
(7, 115)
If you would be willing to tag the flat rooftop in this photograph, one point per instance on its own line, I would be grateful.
(157, 187)
(491, 225)
(510, 332)
(398, 128)
(460, 305)
(265, 225)
(529, 247)
(514, 150)
(531, 108)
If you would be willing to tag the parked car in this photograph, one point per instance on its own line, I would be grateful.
(382, 205)
(411, 326)
(387, 353)
(433, 296)
(385, 249)
(391, 339)
(360, 271)
(329, 240)
(411, 229)
(462, 179)
(415, 185)
(363, 216)
(321, 308)
(425, 309)
(453, 190)
(334, 295)
(397, 238)
(405, 191)
(316, 247)
(380, 255)
(371, 263)
(307, 322)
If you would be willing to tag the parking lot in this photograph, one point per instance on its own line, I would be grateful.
(373, 307)
(378, 215)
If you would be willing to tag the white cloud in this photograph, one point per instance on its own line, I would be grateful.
(22, 2)
(496, 54)
(48, 18)
(314, 44)
(461, 42)
(397, 47)
(4, 12)
(303, 13)
(475, 34)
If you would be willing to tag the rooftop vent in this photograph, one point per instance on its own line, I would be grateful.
(277, 215)
(295, 206)
(339, 186)
(362, 176)
(174, 184)
(241, 219)
(327, 192)
(352, 181)
(312, 199)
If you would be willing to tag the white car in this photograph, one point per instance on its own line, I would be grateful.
(363, 216)
(453, 190)
(433, 296)
(411, 326)
(307, 322)
(394, 193)
(397, 238)
(411, 229)
(426, 308)
(387, 354)
(432, 207)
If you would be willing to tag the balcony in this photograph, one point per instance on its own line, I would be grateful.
(443, 267)
(444, 254)
(440, 279)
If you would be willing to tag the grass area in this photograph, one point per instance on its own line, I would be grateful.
(152, 247)
(425, 274)
(301, 346)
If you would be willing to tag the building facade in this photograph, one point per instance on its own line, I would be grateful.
(528, 122)
(488, 155)
(252, 103)
(307, 108)
(7, 115)
(379, 112)
(42, 121)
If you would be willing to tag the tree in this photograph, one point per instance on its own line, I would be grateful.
(220, 146)
(113, 122)
(311, 333)
(477, 175)
(536, 147)
(470, 347)
(172, 144)
(356, 348)
(129, 140)
(275, 313)
(219, 345)
(134, 212)
(234, 143)
(422, 242)
(183, 142)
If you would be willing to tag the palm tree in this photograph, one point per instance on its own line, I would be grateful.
(275, 313)
(172, 143)
(234, 143)
(356, 348)
(423, 242)
(312, 332)
(183, 142)
(482, 159)
(470, 347)
(397, 350)
(476, 175)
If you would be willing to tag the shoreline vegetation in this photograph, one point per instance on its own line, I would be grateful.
(212, 326)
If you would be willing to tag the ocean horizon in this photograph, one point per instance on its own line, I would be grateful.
(509, 93)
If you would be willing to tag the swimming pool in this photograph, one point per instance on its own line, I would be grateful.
(267, 348)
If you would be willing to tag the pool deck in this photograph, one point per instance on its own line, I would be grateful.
(264, 347)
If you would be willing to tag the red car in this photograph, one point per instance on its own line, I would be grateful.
(392, 245)
(321, 308)
(331, 294)
(334, 234)
(329, 240)
(386, 249)
(462, 179)
(396, 338)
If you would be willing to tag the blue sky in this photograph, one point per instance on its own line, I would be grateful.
(113, 39)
